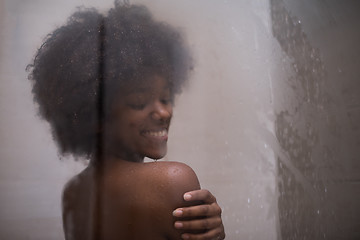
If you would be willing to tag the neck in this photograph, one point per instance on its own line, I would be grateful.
(113, 153)
(108, 161)
(123, 156)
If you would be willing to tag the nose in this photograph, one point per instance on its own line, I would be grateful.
(161, 111)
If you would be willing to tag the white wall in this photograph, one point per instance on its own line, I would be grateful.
(223, 125)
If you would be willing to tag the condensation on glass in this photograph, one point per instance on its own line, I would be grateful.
(270, 120)
(317, 119)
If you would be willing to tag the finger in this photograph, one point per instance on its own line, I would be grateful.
(199, 224)
(215, 234)
(199, 210)
(202, 195)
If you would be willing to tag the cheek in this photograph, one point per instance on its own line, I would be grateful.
(131, 123)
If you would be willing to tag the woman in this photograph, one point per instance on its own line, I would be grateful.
(106, 84)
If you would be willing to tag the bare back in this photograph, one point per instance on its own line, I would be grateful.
(137, 200)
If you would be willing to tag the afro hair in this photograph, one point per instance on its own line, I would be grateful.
(83, 65)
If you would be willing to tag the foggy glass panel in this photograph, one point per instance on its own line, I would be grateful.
(269, 121)
(317, 118)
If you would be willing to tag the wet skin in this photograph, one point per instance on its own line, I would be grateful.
(137, 201)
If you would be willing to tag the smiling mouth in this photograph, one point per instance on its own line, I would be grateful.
(161, 134)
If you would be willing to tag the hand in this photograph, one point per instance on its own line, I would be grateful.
(212, 226)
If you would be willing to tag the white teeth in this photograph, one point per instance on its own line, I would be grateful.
(161, 133)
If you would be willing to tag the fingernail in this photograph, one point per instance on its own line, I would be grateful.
(177, 213)
(185, 236)
(187, 197)
(178, 225)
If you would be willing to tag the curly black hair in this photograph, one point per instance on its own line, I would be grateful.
(83, 65)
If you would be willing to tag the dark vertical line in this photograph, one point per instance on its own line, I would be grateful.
(97, 220)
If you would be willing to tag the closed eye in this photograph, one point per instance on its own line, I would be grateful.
(136, 106)
(166, 101)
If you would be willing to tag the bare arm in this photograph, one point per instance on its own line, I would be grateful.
(197, 213)
(181, 179)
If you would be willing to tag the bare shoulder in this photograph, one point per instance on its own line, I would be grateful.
(77, 191)
(77, 183)
(177, 176)
(140, 195)
(169, 179)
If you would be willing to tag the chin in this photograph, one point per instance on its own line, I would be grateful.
(157, 155)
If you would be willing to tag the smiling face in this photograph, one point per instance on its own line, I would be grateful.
(140, 120)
